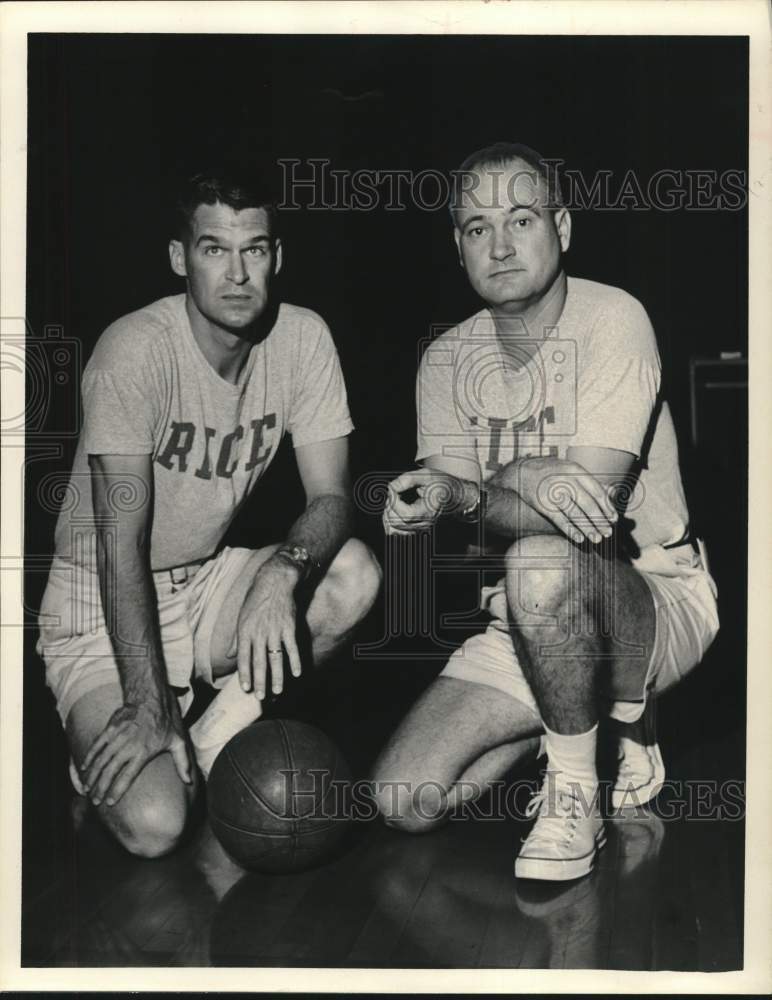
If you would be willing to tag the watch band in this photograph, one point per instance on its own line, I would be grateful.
(299, 556)
(475, 512)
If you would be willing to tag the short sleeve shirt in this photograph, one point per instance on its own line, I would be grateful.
(594, 380)
(148, 389)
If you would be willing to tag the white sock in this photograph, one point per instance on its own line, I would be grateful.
(573, 759)
(230, 711)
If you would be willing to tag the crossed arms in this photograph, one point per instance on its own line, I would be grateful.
(528, 496)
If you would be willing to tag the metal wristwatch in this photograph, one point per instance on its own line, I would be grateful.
(475, 512)
(299, 556)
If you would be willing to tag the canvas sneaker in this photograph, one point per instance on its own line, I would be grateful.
(640, 775)
(566, 837)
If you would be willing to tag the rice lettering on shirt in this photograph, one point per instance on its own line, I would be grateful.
(148, 390)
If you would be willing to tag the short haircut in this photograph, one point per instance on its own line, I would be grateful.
(237, 187)
(501, 154)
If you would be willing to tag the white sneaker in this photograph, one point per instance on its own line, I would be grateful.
(640, 776)
(566, 837)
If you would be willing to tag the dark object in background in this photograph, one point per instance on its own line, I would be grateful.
(276, 796)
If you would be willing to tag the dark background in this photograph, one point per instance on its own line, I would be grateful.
(112, 119)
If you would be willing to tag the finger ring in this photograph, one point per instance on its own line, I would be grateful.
(274, 651)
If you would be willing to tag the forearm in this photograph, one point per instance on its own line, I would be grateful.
(528, 497)
(505, 512)
(129, 602)
(323, 527)
(537, 496)
(508, 515)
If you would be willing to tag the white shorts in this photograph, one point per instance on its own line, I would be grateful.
(75, 644)
(686, 623)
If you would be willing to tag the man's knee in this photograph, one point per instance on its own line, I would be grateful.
(410, 807)
(353, 580)
(150, 827)
(541, 578)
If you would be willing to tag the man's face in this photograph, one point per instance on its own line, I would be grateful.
(509, 241)
(228, 258)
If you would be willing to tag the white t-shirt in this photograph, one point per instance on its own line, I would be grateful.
(593, 381)
(148, 389)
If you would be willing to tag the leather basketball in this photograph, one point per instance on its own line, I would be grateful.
(277, 796)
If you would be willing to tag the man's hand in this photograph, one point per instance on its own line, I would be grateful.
(134, 735)
(267, 622)
(437, 493)
(567, 495)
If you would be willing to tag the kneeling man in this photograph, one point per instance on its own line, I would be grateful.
(185, 403)
(541, 421)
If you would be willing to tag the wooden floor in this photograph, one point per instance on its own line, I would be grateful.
(666, 894)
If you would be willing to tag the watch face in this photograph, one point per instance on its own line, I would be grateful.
(298, 554)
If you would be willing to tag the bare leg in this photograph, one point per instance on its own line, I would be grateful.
(151, 816)
(458, 737)
(581, 621)
(149, 820)
(558, 596)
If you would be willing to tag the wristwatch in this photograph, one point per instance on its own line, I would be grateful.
(299, 556)
(474, 513)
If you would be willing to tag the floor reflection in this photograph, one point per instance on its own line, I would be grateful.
(573, 922)
(446, 900)
(157, 913)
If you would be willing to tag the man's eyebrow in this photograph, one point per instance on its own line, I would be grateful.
(530, 207)
(210, 238)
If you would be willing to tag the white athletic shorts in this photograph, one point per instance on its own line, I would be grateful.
(75, 644)
(686, 623)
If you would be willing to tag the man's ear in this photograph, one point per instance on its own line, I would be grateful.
(457, 238)
(277, 255)
(177, 258)
(563, 226)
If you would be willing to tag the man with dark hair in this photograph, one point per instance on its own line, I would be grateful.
(227, 185)
(550, 397)
(185, 402)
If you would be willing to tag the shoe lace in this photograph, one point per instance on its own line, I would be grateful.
(557, 825)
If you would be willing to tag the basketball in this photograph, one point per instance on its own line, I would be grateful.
(276, 796)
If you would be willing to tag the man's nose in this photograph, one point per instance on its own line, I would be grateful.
(502, 245)
(237, 272)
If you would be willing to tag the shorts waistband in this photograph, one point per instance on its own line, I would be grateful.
(178, 575)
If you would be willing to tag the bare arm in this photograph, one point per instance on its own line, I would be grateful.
(570, 496)
(267, 621)
(148, 722)
(328, 520)
(125, 580)
(573, 496)
(506, 513)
